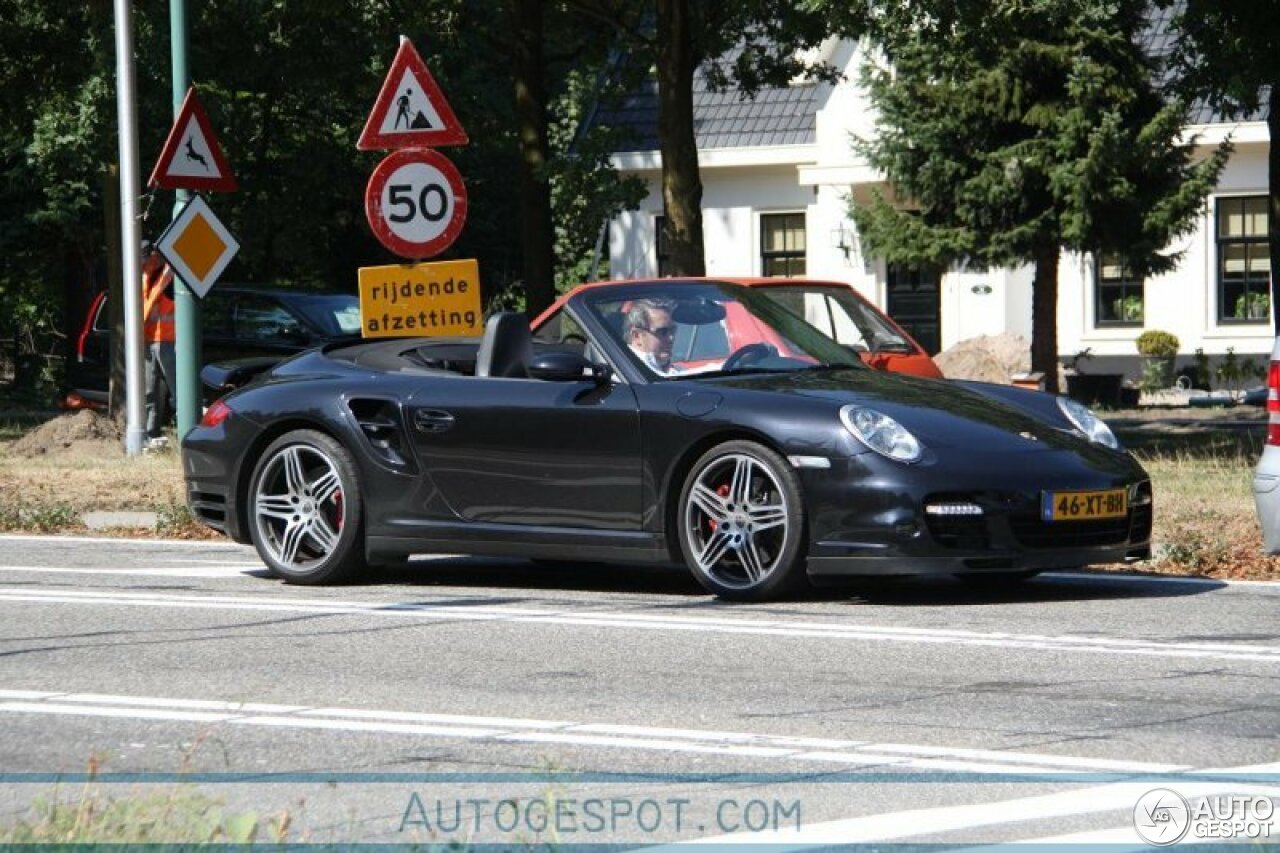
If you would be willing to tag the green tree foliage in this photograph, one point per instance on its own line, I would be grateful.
(54, 97)
(586, 190)
(1228, 53)
(288, 85)
(1010, 131)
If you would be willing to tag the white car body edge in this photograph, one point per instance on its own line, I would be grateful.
(1266, 478)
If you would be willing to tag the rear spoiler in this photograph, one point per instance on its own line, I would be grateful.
(227, 376)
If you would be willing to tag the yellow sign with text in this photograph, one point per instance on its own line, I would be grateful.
(440, 299)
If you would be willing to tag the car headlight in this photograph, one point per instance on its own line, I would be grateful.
(881, 433)
(1087, 422)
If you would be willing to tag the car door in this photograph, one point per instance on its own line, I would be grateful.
(264, 326)
(532, 452)
(528, 452)
(218, 338)
(88, 374)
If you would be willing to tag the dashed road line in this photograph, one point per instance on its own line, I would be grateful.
(639, 621)
(791, 748)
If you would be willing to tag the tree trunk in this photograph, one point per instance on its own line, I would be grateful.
(536, 235)
(681, 182)
(1273, 189)
(1044, 317)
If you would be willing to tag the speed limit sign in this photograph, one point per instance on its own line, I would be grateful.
(416, 203)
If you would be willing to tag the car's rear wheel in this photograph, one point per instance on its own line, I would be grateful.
(741, 523)
(305, 509)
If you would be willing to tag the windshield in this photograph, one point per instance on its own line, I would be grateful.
(335, 314)
(839, 313)
(710, 328)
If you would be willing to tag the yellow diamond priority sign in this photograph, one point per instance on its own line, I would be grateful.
(198, 246)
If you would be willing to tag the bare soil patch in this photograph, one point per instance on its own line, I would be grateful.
(75, 463)
(986, 358)
(80, 432)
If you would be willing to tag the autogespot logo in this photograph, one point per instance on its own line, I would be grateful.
(1161, 817)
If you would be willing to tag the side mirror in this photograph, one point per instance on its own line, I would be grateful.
(566, 367)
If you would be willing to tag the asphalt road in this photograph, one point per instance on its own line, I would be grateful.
(483, 700)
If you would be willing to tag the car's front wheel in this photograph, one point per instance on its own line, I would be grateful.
(741, 523)
(305, 509)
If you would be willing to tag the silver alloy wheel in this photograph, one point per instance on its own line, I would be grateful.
(297, 506)
(736, 520)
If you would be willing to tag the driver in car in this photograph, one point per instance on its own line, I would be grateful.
(650, 330)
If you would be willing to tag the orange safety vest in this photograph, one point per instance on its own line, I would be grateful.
(157, 309)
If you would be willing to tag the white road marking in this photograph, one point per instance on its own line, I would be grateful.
(851, 753)
(1126, 834)
(216, 569)
(603, 618)
(125, 541)
(1118, 797)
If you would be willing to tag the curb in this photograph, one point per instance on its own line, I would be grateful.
(101, 520)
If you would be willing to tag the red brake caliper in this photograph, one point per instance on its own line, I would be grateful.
(722, 491)
(337, 502)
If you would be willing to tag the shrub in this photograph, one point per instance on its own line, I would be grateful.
(1154, 342)
(1253, 306)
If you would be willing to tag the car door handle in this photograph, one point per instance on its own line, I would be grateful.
(432, 420)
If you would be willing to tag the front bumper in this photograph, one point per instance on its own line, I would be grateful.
(873, 521)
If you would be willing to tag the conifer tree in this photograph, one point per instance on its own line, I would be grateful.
(1011, 131)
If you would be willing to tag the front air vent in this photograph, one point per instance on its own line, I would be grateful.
(382, 426)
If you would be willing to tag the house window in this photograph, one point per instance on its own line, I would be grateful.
(1244, 265)
(660, 251)
(1119, 293)
(782, 244)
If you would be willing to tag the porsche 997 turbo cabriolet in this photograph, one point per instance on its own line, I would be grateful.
(627, 426)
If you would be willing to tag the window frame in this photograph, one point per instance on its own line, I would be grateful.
(789, 253)
(1124, 285)
(1223, 243)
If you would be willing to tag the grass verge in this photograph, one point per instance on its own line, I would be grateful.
(179, 814)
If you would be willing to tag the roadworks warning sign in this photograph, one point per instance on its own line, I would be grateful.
(439, 299)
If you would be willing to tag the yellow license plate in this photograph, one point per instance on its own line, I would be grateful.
(1084, 506)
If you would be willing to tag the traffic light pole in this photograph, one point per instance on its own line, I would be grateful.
(187, 398)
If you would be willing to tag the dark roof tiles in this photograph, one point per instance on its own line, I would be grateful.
(777, 116)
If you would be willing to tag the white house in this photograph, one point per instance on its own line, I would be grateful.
(779, 172)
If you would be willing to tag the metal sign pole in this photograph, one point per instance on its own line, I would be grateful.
(187, 398)
(130, 231)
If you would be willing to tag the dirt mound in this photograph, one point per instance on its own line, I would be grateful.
(85, 430)
(987, 358)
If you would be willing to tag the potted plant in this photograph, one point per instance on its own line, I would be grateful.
(1159, 350)
(1128, 309)
(1253, 306)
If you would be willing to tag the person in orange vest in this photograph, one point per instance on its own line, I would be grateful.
(158, 332)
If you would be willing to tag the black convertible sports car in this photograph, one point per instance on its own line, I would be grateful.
(785, 461)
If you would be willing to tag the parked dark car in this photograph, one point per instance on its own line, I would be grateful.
(789, 459)
(237, 321)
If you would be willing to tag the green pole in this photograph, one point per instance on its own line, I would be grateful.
(186, 305)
